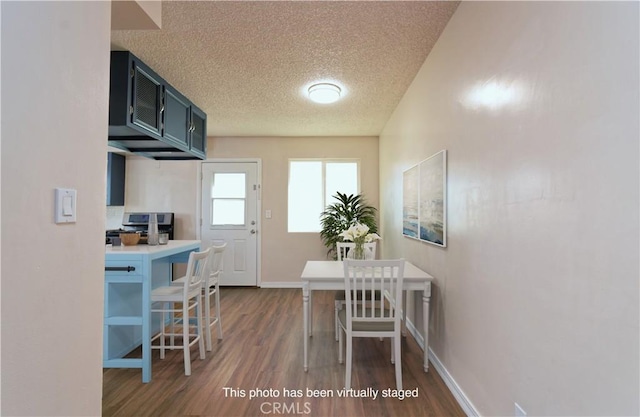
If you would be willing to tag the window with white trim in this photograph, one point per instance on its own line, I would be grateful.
(312, 185)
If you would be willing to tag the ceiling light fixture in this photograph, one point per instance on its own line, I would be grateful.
(324, 93)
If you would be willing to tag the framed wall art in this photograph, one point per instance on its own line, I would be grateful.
(424, 200)
(410, 195)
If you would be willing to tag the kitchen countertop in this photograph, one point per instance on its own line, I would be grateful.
(153, 251)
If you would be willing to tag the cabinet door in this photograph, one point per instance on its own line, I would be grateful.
(198, 132)
(146, 97)
(116, 168)
(176, 118)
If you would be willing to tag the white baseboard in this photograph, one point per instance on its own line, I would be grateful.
(453, 386)
(283, 284)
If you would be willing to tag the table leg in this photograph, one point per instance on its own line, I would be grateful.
(305, 318)
(404, 313)
(146, 329)
(426, 296)
(310, 314)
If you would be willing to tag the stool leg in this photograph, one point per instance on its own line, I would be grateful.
(162, 333)
(185, 338)
(338, 307)
(207, 316)
(172, 329)
(340, 343)
(218, 311)
(199, 326)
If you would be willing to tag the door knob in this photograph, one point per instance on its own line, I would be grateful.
(253, 231)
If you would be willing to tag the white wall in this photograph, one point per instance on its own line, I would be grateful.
(536, 297)
(164, 186)
(55, 80)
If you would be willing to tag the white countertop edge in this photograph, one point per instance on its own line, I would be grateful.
(155, 251)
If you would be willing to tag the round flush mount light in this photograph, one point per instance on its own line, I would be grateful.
(324, 93)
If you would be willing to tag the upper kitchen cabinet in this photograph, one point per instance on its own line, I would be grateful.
(177, 117)
(135, 98)
(149, 117)
(198, 144)
(184, 124)
(147, 99)
(116, 168)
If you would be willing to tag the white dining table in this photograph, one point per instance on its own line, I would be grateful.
(329, 275)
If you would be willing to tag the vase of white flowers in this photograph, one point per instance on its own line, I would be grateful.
(359, 234)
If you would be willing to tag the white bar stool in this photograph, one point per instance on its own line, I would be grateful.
(188, 294)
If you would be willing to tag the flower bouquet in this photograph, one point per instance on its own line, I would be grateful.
(359, 234)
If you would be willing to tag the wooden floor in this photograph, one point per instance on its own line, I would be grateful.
(262, 350)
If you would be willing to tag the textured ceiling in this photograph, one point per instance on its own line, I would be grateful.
(246, 63)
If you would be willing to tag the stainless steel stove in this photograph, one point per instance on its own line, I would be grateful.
(139, 222)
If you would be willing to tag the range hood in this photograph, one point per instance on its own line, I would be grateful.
(150, 147)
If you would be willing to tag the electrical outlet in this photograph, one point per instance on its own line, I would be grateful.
(519, 411)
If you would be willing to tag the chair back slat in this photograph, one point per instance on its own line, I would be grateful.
(216, 262)
(197, 269)
(365, 279)
(342, 248)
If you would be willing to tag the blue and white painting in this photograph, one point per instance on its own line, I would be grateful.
(410, 190)
(432, 207)
(424, 200)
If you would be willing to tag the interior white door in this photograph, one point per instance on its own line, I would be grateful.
(230, 193)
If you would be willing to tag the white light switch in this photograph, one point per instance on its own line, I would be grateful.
(65, 209)
(67, 205)
(267, 214)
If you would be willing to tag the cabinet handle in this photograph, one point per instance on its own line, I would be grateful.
(120, 268)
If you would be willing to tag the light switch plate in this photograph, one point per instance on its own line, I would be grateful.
(65, 205)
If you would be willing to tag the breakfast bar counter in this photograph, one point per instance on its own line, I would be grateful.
(131, 272)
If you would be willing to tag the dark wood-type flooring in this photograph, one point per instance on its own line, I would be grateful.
(262, 349)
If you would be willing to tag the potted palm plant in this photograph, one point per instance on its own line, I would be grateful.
(339, 216)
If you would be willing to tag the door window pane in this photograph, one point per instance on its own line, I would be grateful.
(227, 212)
(228, 195)
(228, 185)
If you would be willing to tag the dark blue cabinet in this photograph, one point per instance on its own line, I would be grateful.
(177, 118)
(149, 117)
(198, 143)
(116, 168)
(135, 98)
(185, 124)
(147, 99)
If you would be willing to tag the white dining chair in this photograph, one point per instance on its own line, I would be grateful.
(342, 248)
(211, 287)
(164, 300)
(377, 318)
